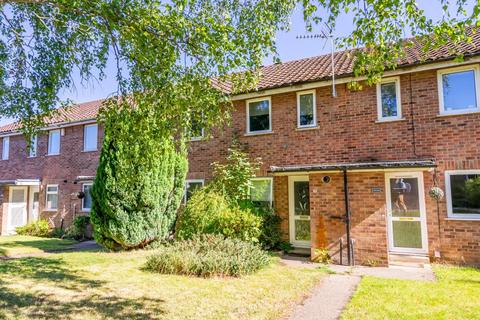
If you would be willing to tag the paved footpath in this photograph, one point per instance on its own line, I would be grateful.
(328, 299)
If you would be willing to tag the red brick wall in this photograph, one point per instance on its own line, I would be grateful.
(368, 216)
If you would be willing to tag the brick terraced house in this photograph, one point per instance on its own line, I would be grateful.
(350, 172)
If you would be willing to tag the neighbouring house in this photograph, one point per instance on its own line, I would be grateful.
(350, 172)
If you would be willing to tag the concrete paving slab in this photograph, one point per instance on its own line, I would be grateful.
(328, 299)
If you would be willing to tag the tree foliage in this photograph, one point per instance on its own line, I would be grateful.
(140, 180)
(176, 46)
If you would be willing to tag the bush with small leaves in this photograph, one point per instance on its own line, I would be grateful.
(208, 212)
(207, 256)
(39, 228)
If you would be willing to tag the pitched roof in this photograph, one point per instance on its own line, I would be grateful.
(295, 72)
(319, 68)
(75, 113)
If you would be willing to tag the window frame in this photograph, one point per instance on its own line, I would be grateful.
(199, 138)
(441, 103)
(269, 99)
(88, 183)
(188, 181)
(46, 197)
(398, 97)
(271, 187)
(32, 151)
(302, 93)
(85, 137)
(50, 134)
(448, 192)
(5, 148)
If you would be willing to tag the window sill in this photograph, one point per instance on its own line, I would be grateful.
(249, 134)
(93, 150)
(390, 120)
(460, 113)
(307, 128)
(196, 139)
(50, 210)
(477, 218)
(52, 155)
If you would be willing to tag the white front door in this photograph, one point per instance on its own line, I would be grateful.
(17, 208)
(407, 228)
(299, 211)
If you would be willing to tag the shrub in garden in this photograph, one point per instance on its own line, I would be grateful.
(270, 233)
(39, 228)
(78, 229)
(208, 212)
(208, 255)
(140, 180)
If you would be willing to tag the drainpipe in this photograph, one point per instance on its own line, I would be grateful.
(347, 216)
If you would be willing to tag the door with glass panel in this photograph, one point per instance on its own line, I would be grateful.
(17, 208)
(406, 213)
(299, 207)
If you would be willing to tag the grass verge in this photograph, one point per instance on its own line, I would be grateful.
(11, 246)
(454, 296)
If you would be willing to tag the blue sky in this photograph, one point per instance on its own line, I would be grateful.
(289, 48)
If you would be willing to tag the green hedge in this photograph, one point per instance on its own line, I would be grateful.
(208, 255)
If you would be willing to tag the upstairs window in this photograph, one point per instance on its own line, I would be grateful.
(87, 197)
(259, 115)
(458, 90)
(90, 137)
(306, 109)
(191, 186)
(463, 194)
(54, 142)
(32, 152)
(388, 100)
(5, 148)
(261, 191)
(51, 202)
(197, 132)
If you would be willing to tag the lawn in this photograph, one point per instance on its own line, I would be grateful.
(103, 285)
(22, 245)
(456, 295)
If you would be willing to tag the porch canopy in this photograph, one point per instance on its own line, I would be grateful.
(20, 182)
(360, 166)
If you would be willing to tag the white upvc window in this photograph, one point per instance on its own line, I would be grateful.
(32, 152)
(190, 186)
(389, 102)
(54, 142)
(259, 115)
(261, 191)
(306, 109)
(463, 194)
(90, 137)
(51, 198)
(459, 90)
(5, 148)
(87, 197)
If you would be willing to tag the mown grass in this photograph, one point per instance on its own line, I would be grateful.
(103, 285)
(456, 295)
(21, 245)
